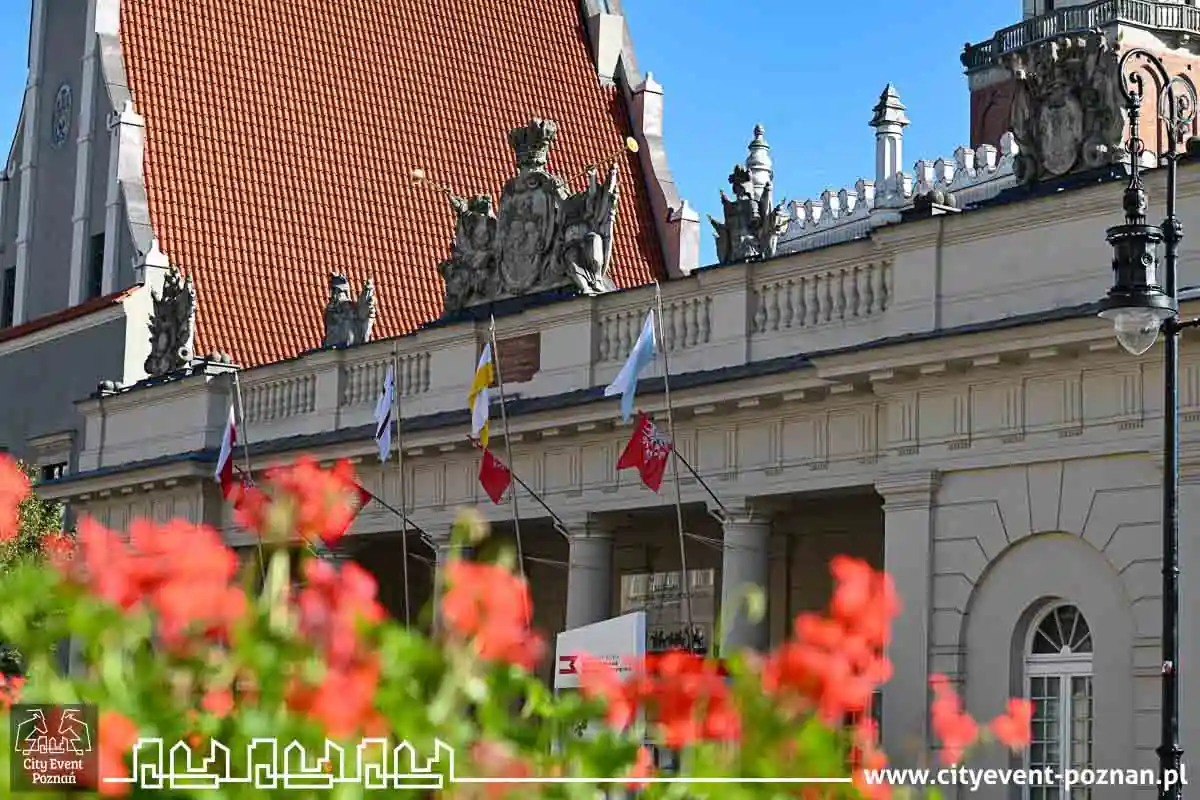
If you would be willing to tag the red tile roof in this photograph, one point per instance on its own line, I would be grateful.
(280, 135)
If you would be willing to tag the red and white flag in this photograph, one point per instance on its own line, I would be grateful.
(224, 474)
(494, 476)
(359, 499)
(647, 452)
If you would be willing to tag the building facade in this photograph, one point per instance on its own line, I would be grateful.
(910, 372)
(949, 408)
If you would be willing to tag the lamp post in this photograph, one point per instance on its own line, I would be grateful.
(1142, 302)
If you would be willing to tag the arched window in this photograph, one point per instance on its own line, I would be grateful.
(1058, 672)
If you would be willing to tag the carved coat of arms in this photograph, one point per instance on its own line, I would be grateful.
(1066, 109)
(543, 236)
(172, 326)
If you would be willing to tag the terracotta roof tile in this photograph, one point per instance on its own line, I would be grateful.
(280, 137)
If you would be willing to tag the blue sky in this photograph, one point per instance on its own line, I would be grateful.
(808, 71)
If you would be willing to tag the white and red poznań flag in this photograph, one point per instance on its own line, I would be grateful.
(647, 452)
(224, 474)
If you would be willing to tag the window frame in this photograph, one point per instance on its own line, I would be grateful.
(1064, 667)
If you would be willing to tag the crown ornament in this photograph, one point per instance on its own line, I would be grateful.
(532, 143)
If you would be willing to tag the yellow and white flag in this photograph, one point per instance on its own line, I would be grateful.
(478, 399)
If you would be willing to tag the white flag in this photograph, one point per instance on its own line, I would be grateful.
(383, 415)
(224, 473)
(642, 354)
(477, 400)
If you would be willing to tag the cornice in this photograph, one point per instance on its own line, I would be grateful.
(986, 348)
(63, 330)
(164, 392)
(119, 483)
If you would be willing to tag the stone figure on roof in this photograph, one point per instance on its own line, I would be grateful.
(348, 321)
(172, 326)
(1067, 110)
(542, 236)
(588, 221)
(469, 273)
(752, 224)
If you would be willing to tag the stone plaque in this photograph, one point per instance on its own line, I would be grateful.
(520, 357)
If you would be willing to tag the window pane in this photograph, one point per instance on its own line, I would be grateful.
(1044, 747)
(1081, 722)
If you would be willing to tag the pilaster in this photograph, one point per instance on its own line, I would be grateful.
(908, 508)
(30, 141)
(745, 565)
(589, 572)
(128, 131)
(81, 214)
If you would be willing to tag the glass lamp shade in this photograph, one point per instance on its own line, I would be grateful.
(1137, 328)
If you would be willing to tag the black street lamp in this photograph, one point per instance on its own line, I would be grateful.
(1140, 304)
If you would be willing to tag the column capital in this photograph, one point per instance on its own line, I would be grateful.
(908, 489)
(587, 526)
(740, 511)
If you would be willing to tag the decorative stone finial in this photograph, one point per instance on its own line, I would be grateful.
(348, 322)
(889, 111)
(172, 325)
(758, 162)
(752, 225)
(542, 237)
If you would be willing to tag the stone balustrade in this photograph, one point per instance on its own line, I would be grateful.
(1169, 15)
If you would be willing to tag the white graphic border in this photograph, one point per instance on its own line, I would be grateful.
(263, 761)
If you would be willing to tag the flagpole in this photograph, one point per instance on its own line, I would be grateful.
(559, 525)
(424, 536)
(396, 389)
(240, 415)
(685, 577)
(512, 498)
(702, 483)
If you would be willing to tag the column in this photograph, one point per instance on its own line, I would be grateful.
(442, 557)
(31, 138)
(908, 558)
(745, 563)
(589, 573)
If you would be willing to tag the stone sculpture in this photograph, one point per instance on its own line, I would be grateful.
(752, 223)
(172, 326)
(348, 321)
(1067, 107)
(542, 237)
